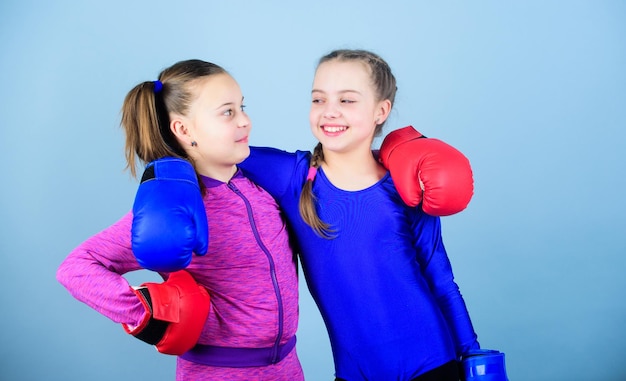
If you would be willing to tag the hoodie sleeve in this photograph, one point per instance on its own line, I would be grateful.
(92, 273)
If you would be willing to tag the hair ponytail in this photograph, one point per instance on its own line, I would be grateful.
(142, 124)
(146, 110)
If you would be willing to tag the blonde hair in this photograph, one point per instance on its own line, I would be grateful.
(384, 84)
(145, 112)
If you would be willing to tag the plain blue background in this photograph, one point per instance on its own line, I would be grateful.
(533, 92)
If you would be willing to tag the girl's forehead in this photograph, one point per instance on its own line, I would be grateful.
(214, 80)
(216, 90)
(343, 65)
(222, 82)
(342, 75)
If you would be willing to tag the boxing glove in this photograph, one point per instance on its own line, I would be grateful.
(169, 219)
(176, 311)
(427, 171)
(483, 365)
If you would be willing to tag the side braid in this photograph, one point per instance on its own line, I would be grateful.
(308, 202)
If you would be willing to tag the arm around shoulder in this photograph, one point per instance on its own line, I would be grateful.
(275, 170)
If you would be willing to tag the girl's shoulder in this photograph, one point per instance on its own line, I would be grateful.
(275, 170)
(270, 159)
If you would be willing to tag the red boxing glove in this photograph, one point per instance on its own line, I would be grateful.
(427, 171)
(176, 312)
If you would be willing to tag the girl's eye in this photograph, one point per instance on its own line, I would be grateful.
(243, 107)
(347, 101)
(228, 112)
(315, 100)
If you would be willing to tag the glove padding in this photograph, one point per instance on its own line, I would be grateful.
(483, 365)
(169, 218)
(176, 311)
(427, 171)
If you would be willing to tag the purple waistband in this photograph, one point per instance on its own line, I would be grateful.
(238, 357)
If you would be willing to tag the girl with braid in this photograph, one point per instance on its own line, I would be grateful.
(376, 267)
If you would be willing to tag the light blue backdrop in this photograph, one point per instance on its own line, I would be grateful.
(533, 92)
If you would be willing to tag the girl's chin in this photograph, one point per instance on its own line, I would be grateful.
(244, 153)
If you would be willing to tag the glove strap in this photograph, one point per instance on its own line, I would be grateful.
(154, 330)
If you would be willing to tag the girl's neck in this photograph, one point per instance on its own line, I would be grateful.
(223, 174)
(352, 171)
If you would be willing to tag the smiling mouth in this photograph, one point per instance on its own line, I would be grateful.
(334, 129)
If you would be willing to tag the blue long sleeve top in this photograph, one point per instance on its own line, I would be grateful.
(384, 285)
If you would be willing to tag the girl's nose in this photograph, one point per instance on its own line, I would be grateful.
(331, 111)
(244, 120)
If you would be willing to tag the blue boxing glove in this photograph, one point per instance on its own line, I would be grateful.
(483, 365)
(169, 219)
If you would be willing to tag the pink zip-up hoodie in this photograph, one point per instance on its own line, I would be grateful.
(249, 271)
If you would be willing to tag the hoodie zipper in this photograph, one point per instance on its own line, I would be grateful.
(275, 354)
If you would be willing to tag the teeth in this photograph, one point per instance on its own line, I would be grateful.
(334, 129)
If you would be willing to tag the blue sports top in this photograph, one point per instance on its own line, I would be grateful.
(384, 285)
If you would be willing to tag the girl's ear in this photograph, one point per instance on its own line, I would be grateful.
(382, 112)
(180, 129)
